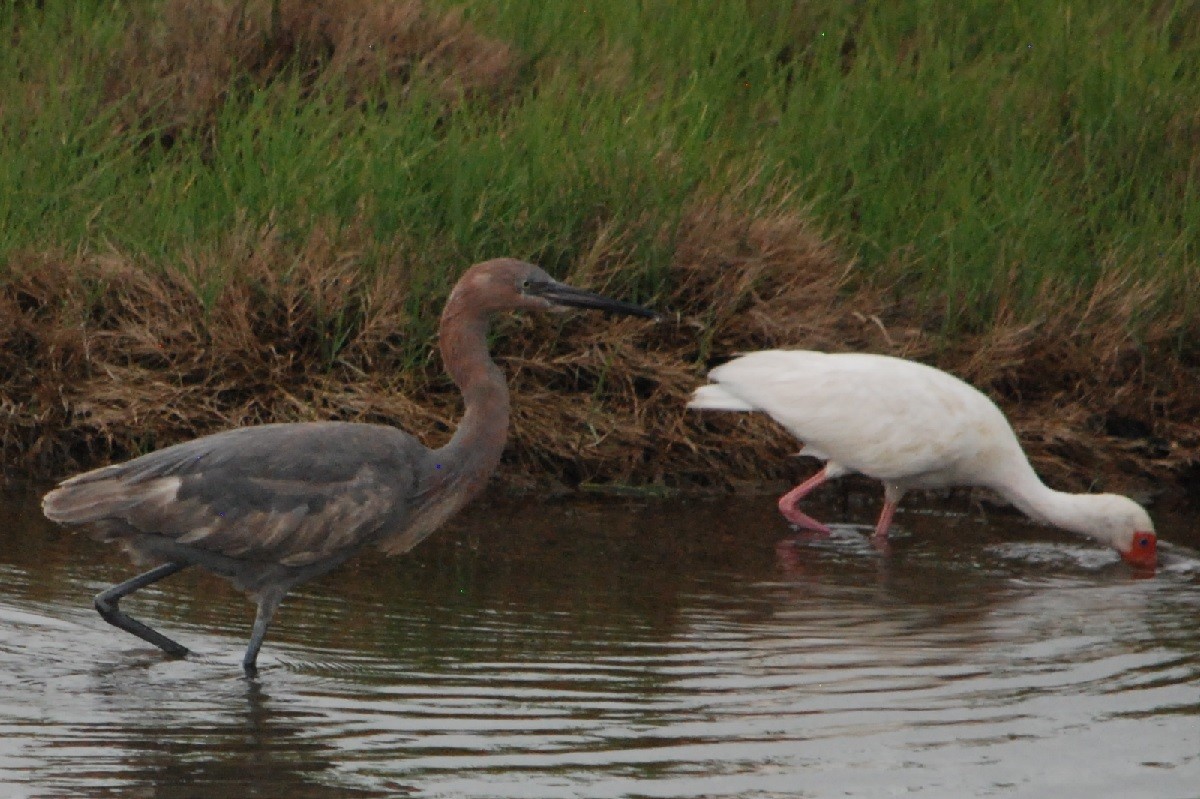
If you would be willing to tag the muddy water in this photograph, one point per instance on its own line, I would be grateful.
(620, 649)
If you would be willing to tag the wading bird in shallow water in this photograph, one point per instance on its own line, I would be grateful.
(270, 507)
(909, 426)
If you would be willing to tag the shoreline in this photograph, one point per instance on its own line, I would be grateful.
(107, 359)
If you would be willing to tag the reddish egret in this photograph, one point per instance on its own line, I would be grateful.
(909, 426)
(269, 507)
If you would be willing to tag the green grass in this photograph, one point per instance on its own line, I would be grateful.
(974, 150)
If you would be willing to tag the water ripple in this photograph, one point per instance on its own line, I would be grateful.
(947, 667)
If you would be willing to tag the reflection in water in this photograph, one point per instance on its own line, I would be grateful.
(229, 734)
(613, 649)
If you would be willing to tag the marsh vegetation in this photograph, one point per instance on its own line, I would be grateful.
(221, 212)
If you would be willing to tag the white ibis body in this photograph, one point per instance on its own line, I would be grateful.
(269, 507)
(909, 426)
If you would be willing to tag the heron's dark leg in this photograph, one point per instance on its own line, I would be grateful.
(106, 605)
(268, 601)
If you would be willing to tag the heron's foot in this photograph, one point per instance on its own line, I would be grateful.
(106, 605)
(109, 611)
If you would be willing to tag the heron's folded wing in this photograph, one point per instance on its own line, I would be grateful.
(293, 494)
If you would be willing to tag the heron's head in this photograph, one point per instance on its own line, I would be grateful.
(507, 284)
(1125, 524)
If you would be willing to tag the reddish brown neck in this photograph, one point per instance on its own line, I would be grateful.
(475, 449)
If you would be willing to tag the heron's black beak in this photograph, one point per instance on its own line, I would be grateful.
(562, 294)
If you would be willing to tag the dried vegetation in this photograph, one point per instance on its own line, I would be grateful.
(107, 357)
(104, 355)
(1095, 407)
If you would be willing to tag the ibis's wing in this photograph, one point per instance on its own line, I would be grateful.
(293, 493)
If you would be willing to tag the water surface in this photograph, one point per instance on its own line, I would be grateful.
(620, 648)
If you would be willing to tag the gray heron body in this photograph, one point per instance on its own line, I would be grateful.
(272, 506)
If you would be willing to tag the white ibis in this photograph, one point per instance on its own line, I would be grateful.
(909, 426)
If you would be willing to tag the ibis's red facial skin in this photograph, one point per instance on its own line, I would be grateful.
(1144, 551)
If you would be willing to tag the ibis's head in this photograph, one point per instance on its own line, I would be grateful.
(1125, 524)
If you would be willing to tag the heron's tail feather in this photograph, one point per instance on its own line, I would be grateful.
(79, 504)
(715, 398)
(81, 500)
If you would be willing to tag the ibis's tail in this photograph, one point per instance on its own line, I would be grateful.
(713, 397)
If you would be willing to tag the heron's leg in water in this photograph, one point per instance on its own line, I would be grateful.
(106, 605)
(268, 601)
(789, 501)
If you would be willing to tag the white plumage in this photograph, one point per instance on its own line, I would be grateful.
(909, 426)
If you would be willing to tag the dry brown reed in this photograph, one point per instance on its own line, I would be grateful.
(1095, 406)
(105, 357)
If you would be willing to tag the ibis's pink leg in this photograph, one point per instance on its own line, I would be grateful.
(788, 502)
(885, 519)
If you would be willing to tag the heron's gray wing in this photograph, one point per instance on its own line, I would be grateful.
(293, 494)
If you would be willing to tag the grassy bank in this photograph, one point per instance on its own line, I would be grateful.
(217, 213)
